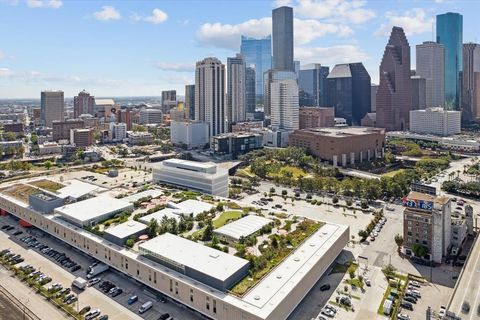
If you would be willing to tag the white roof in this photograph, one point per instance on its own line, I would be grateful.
(152, 193)
(212, 262)
(126, 229)
(92, 208)
(77, 189)
(190, 207)
(158, 215)
(243, 227)
(104, 102)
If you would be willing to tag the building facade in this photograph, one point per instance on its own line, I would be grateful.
(52, 107)
(192, 134)
(126, 116)
(151, 116)
(316, 117)
(430, 57)
(118, 131)
(169, 100)
(190, 101)
(83, 103)
(450, 35)
(341, 146)
(282, 39)
(250, 93)
(236, 69)
(257, 53)
(284, 104)
(436, 121)
(426, 223)
(419, 91)
(204, 177)
(81, 138)
(394, 95)
(210, 95)
(348, 91)
(235, 144)
(471, 82)
(312, 83)
(61, 129)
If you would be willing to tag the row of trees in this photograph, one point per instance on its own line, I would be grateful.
(169, 225)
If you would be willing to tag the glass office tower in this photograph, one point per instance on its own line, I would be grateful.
(258, 54)
(312, 85)
(449, 34)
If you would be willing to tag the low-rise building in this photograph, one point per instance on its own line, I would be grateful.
(61, 129)
(316, 117)
(458, 143)
(247, 126)
(16, 127)
(274, 138)
(49, 148)
(140, 138)
(119, 234)
(206, 177)
(437, 121)
(242, 227)
(427, 225)
(118, 131)
(234, 144)
(192, 134)
(81, 137)
(341, 146)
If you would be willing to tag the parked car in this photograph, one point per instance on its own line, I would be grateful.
(407, 305)
(367, 281)
(466, 307)
(325, 287)
(117, 292)
(164, 316)
(132, 299)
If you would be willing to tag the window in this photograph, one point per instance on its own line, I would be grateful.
(214, 306)
(154, 277)
(207, 304)
(191, 295)
(138, 272)
(171, 285)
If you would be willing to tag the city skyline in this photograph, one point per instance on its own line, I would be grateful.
(125, 61)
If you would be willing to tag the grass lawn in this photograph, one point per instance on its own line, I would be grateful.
(245, 173)
(355, 282)
(344, 268)
(296, 172)
(226, 216)
(47, 185)
(391, 174)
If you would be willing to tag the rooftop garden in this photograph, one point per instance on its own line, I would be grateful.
(20, 192)
(48, 185)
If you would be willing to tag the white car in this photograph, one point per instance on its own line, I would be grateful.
(328, 312)
(415, 284)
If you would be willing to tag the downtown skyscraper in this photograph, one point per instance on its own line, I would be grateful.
(471, 82)
(282, 30)
(52, 107)
(312, 83)
(235, 89)
(190, 101)
(210, 95)
(450, 35)
(394, 95)
(83, 103)
(258, 55)
(430, 57)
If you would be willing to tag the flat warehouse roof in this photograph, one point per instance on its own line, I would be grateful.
(243, 227)
(92, 208)
(190, 206)
(126, 229)
(212, 262)
(77, 189)
(158, 215)
(152, 193)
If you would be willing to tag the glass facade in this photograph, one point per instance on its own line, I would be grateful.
(312, 85)
(258, 54)
(250, 91)
(449, 34)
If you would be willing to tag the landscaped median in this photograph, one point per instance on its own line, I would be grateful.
(40, 289)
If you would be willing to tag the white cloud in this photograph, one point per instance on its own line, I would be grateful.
(5, 73)
(158, 16)
(281, 3)
(342, 11)
(53, 4)
(179, 67)
(135, 17)
(414, 21)
(107, 13)
(228, 35)
(330, 55)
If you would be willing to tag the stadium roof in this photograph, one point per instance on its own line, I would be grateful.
(212, 262)
(243, 227)
(92, 208)
(126, 229)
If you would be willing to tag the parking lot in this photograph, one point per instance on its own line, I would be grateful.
(116, 307)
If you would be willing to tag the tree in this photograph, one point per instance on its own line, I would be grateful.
(48, 164)
(152, 228)
(389, 270)
(335, 200)
(363, 234)
(272, 190)
(399, 241)
(284, 193)
(130, 242)
(208, 233)
(419, 250)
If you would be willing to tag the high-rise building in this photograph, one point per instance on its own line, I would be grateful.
(151, 116)
(250, 92)
(282, 30)
(61, 129)
(450, 35)
(471, 82)
(284, 102)
(52, 107)
(235, 90)
(81, 137)
(348, 91)
(312, 82)
(190, 101)
(373, 97)
(257, 53)
(430, 57)
(436, 121)
(125, 116)
(118, 131)
(210, 94)
(419, 90)
(394, 95)
(169, 100)
(83, 103)
(316, 117)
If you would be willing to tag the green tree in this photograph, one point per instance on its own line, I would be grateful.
(389, 270)
(208, 233)
(152, 228)
(419, 250)
(130, 242)
(398, 241)
(284, 192)
(48, 164)
(335, 200)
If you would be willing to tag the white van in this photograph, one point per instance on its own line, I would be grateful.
(147, 305)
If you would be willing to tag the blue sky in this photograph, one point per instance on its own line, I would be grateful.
(140, 47)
